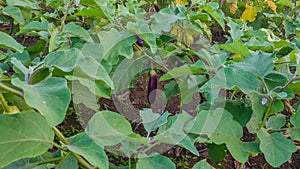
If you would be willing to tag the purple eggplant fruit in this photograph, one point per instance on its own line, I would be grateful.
(140, 41)
(156, 8)
(152, 86)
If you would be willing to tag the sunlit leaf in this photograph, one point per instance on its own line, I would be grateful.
(108, 128)
(249, 14)
(7, 41)
(233, 7)
(51, 96)
(272, 5)
(181, 2)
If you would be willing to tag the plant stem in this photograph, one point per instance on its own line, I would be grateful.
(4, 103)
(267, 113)
(82, 161)
(11, 90)
(60, 136)
(65, 16)
(63, 160)
(49, 160)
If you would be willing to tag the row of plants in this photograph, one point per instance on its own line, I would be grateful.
(89, 49)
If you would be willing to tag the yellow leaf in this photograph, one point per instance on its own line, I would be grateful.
(233, 7)
(181, 2)
(183, 35)
(199, 10)
(237, 57)
(249, 14)
(272, 5)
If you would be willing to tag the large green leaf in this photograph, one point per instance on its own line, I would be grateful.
(7, 41)
(212, 9)
(51, 96)
(65, 60)
(230, 78)
(24, 134)
(163, 21)
(219, 126)
(77, 31)
(236, 47)
(276, 147)
(34, 26)
(108, 128)
(116, 43)
(15, 13)
(122, 80)
(259, 63)
(87, 148)
(155, 162)
(93, 69)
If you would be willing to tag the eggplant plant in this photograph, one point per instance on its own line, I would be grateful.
(60, 55)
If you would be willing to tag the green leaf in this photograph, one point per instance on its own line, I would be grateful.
(276, 122)
(56, 39)
(170, 89)
(95, 70)
(219, 126)
(87, 148)
(70, 162)
(203, 164)
(212, 9)
(24, 134)
(240, 111)
(182, 71)
(132, 67)
(173, 132)
(259, 63)
(216, 152)
(15, 13)
(108, 128)
(155, 162)
(78, 31)
(276, 79)
(116, 43)
(151, 121)
(51, 96)
(276, 147)
(235, 29)
(34, 26)
(237, 47)
(295, 120)
(8, 42)
(230, 78)
(163, 21)
(23, 4)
